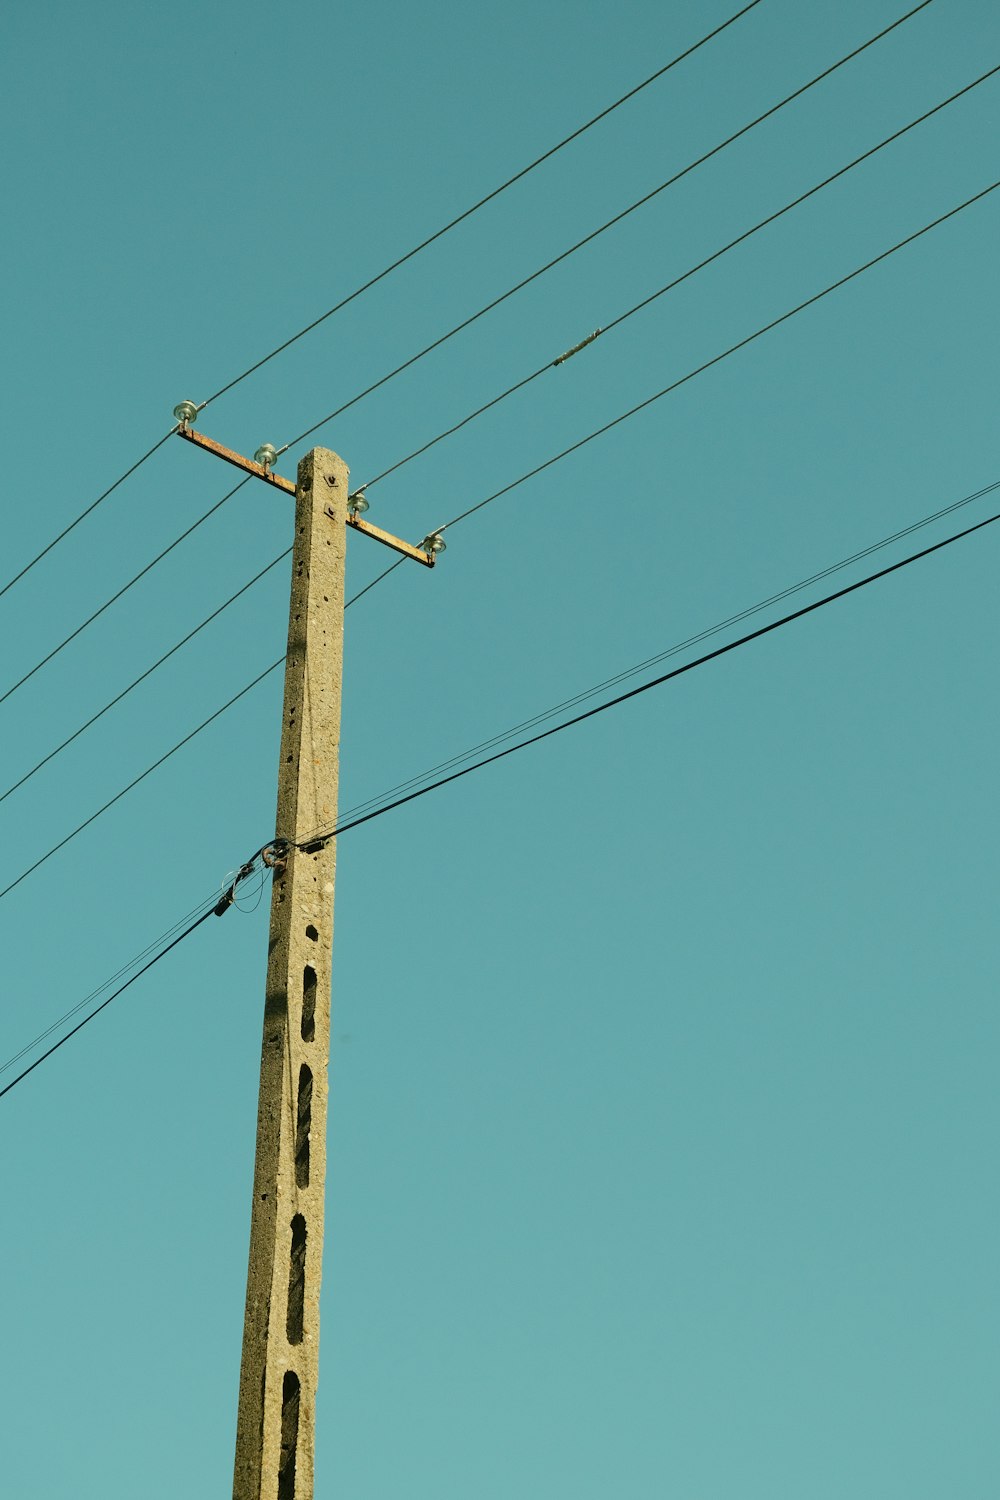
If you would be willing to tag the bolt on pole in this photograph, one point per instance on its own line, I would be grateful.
(276, 1421)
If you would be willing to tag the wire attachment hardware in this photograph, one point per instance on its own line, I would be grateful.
(186, 413)
(229, 894)
(577, 347)
(261, 468)
(433, 544)
(275, 856)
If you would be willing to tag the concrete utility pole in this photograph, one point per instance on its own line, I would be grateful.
(275, 1432)
(276, 1423)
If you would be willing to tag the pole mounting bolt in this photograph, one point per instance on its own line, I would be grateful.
(265, 456)
(186, 412)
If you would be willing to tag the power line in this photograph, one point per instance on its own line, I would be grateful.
(506, 489)
(674, 650)
(628, 672)
(481, 202)
(718, 358)
(141, 777)
(373, 281)
(105, 1003)
(698, 661)
(660, 681)
(394, 266)
(123, 590)
(551, 364)
(468, 321)
(147, 673)
(112, 978)
(86, 512)
(601, 229)
(162, 759)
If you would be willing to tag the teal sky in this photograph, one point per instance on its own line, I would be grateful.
(663, 1111)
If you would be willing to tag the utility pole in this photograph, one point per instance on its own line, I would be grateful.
(276, 1422)
(275, 1430)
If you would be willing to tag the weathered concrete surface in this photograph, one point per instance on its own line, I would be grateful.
(276, 1423)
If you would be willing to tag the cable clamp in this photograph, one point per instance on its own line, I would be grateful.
(577, 347)
(229, 894)
(275, 855)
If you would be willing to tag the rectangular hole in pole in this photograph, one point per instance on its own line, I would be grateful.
(296, 1281)
(289, 1435)
(303, 1125)
(308, 1003)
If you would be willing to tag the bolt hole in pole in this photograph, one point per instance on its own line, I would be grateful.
(296, 1281)
(289, 1435)
(303, 1125)
(308, 1003)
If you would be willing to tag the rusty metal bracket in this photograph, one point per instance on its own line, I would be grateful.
(388, 540)
(247, 464)
(257, 471)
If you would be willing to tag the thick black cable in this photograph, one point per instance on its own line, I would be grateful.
(551, 364)
(481, 203)
(209, 902)
(718, 358)
(123, 590)
(534, 740)
(105, 1003)
(674, 650)
(84, 513)
(147, 673)
(617, 219)
(699, 661)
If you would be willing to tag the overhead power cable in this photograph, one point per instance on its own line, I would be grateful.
(141, 777)
(86, 512)
(718, 358)
(482, 202)
(324, 836)
(123, 590)
(601, 229)
(551, 364)
(133, 963)
(336, 831)
(381, 275)
(506, 489)
(475, 316)
(160, 761)
(147, 673)
(674, 650)
(105, 1003)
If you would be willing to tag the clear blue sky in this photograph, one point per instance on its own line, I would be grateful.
(662, 1147)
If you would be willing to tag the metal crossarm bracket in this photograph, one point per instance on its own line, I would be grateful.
(258, 471)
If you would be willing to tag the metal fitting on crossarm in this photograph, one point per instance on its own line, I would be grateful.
(186, 412)
(433, 544)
